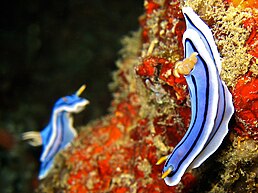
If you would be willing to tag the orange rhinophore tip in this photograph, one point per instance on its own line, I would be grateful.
(166, 173)
(162, 159)
(80, 90)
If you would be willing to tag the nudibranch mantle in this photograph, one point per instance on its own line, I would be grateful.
(59, 133)
(211, 102)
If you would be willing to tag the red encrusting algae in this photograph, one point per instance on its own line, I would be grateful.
(245, 93)
(117, 155)
(244, 3)
(251, 42)
(100, 169)
(245, 96)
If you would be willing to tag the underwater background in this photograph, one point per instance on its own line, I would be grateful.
(48, 49)
(129, 49)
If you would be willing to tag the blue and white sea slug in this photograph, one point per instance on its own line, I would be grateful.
(59, 132)
(211, 101)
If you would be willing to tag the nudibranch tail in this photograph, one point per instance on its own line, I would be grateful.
(211, 102)
(194, 22)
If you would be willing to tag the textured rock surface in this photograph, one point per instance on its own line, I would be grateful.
(150, 111)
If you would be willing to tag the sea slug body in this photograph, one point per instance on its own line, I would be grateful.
(211, 101)
(59, 132)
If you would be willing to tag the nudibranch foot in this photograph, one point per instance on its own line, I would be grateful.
(185, 67)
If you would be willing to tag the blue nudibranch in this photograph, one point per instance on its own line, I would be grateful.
(211, 101)
(59, 132)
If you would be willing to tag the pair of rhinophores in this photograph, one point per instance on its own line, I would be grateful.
(59, 132)
(211, 101)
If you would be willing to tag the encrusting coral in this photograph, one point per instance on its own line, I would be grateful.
(151, 110)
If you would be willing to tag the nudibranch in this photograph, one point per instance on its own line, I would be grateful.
(211, 101)
(59, 132)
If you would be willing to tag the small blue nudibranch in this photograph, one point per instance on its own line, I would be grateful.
(211, 101)
(59, 132)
